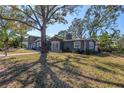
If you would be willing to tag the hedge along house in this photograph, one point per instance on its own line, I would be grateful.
(67, 45)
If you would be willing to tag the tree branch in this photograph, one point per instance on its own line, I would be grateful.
(50, 10)
(54, 12)
(35, 16)
(24, 13)
(43, 12)
(20, 22)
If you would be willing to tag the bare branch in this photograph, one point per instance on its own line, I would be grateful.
(43, 12)
(35, 16)
(38, 13)
(24, 13)
(48, 11)
(19, 21)
(54, 12)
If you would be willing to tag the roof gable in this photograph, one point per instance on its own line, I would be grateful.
(56, 39)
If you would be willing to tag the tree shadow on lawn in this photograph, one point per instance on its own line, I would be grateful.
(114, 65)
(76, 73)
(68, 68)
(100, 67)
(11, 73)
(105, 69)
(77, 60)
(47, 78)
(103, 54)
(51, 80)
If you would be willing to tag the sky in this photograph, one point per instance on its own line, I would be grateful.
(55, 28)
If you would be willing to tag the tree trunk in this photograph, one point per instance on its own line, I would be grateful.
(43, 44)
(21, 40)
(43, 59)
(5, 48)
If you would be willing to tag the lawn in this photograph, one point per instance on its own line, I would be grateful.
(18, 51)
(71, 70)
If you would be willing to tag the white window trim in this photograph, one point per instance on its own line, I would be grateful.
(55, 42)
(91, 45)
(77, 43)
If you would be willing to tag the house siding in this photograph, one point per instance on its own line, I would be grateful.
(82, 45)
(31, 40)
(87, 46)
(56, 39)
(65, 45)
(68, 45)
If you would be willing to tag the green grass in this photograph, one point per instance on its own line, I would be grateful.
(75, 69)
(21, 51)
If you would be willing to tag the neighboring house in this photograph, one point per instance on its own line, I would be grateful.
(32, 42)
(59, 45)
(25, 42)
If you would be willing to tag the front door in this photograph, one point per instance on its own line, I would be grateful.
(55, 46)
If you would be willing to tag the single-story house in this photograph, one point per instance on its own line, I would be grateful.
(67, 45)
(82, 45)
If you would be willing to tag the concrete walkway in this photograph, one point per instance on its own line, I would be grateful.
(18, 54)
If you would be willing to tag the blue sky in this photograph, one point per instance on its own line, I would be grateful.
(55, 28)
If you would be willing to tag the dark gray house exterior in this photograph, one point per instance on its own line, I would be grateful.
(79, 45)
(68, 45)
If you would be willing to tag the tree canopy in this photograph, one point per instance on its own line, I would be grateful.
(100, 19)
(76, 28)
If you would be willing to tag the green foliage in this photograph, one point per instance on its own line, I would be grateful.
(1, 44)
(7, 37)
(121, 45)
(104, 41)
(61, 34)
(109, 42)
(76, 28)
(100, 18)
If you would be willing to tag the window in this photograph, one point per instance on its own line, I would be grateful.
(55, 45)
(77, 44)
(38, 44)
(91, 45)
(33, 46)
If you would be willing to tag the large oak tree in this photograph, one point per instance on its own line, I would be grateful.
(38, 17)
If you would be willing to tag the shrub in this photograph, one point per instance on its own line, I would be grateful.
(66, 50)
(78, 51)
(74, 51)
(90, 51)
(120, 50)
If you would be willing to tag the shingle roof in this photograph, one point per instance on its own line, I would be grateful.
(78, 39)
